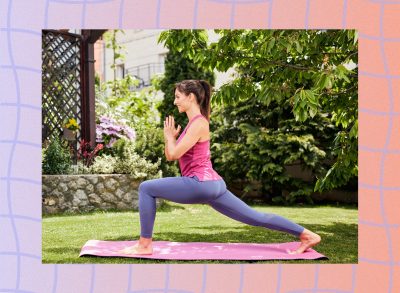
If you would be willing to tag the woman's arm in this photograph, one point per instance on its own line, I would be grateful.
(169, 133)
(174, 151)
(166, 150)
(169, 144)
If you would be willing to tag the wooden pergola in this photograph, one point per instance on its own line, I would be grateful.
(68, 82)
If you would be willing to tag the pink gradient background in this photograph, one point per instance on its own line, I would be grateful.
(378, 22)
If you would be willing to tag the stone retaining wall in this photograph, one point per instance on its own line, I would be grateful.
(82, 193)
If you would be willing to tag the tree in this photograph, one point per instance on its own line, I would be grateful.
(177, 68)
(110, 38)
(299, 80)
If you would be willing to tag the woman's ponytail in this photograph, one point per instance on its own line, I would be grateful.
(205, 107)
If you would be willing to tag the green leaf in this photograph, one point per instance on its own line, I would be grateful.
(328, 82)
(271, 44)
(354, 130)
(298, 47)
(355, 37)
(312, 112)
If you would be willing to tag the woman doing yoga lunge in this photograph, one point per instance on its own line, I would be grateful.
(199, 182)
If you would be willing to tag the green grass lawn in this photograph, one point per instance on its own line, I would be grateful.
(63, 236)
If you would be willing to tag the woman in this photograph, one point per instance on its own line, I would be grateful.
(199, 182)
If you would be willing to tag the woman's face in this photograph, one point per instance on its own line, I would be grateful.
(182, 101)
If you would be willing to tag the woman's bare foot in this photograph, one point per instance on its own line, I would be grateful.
(137, 249)
(143, 247)
(308, 239)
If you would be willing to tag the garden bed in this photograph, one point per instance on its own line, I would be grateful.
(83, 193)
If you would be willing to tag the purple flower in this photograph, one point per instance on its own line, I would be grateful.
(105, 125)
(130, 133)
(99, 131)
(106, 119)
(106, 131)
(109, 130)
(112, 141)
(116, 128)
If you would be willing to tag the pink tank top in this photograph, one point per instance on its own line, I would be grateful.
(197, 160)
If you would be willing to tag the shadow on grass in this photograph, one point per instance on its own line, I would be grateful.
(163, 208)
(251, 233)
(167, 206)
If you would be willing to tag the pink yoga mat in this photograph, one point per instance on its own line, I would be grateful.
(201, 250)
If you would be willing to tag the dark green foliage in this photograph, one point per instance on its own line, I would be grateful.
(251, 143)
(292, 101)
(177, 68)
(56, 158)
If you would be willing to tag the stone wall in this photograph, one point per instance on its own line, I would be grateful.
(82, 193)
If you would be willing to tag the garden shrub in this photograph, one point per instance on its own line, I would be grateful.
(150, 145)
(126, 161)
(56, 158)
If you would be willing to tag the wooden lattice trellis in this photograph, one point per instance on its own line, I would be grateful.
(61, 82)
(68, 83)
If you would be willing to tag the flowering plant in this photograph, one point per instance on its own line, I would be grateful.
(108, 131)
(72, 124)
(87, 153)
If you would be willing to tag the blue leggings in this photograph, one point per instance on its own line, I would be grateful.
(187, 190)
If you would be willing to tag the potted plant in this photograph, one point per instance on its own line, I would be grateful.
(69, 130)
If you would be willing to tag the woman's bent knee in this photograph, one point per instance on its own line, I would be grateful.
(148, 185)
(144, 186)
